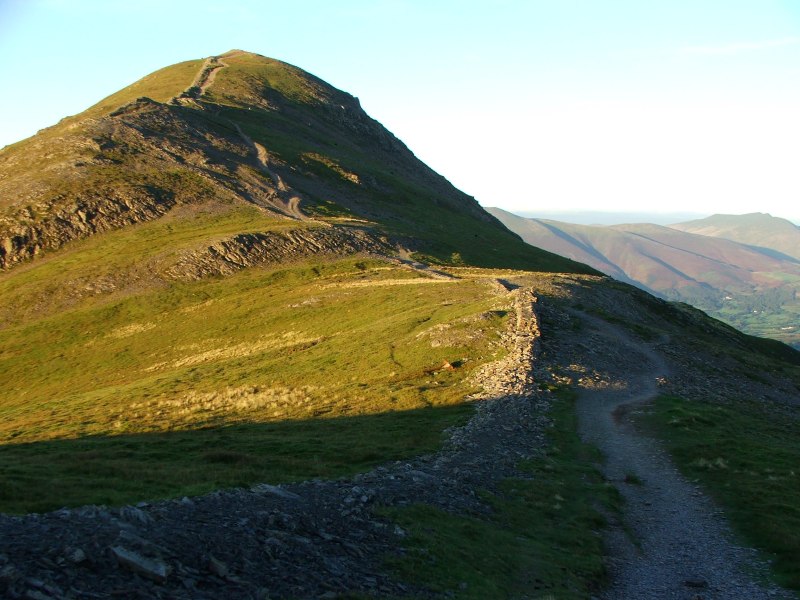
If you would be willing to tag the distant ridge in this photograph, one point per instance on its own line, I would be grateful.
(756, 229)
(753, 287)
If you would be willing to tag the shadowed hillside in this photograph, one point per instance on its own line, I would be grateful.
(753, 288)
(759, 230)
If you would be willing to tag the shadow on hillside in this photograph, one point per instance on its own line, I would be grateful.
(123, 469)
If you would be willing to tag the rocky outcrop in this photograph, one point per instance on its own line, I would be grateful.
(22, 239)
(145, 159)
(249, 249)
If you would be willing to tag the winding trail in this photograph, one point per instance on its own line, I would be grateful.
(284, 200)
(202, 81)
(682, 548)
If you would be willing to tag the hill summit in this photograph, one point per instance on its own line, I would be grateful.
(243, 130)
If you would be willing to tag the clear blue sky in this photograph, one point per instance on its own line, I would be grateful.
(530, 105)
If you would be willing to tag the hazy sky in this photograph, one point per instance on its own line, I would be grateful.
(530, 105)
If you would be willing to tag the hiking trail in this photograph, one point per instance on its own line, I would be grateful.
(673, 542)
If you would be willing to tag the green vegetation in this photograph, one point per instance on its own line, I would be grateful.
(544, 533)
(116, 470)
(345, 162)
(108, 355)
(253, 76)
(161, 86)
(747, 455)
(136, 383)
(774, 314)
(130, 256)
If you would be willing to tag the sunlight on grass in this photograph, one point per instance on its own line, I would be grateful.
(132, 257)
(319, 343)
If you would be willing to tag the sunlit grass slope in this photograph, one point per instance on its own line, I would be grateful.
(156, 387)
(122, 378)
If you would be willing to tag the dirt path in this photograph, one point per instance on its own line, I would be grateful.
(285, 200)
(673, 543)
(209, 73)
(202, 81)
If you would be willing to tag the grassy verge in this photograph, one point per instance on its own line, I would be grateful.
(747, 456)
(543, 537)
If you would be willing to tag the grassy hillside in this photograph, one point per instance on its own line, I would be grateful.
(153, 387)
(262, 132)
(131, 368)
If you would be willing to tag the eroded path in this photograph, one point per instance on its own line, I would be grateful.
(673, 543)
(284, 200)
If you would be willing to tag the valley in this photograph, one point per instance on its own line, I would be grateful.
(737, 268)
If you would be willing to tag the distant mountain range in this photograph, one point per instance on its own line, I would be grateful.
(767, 233)
(742, 269)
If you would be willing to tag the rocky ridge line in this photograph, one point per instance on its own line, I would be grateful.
(233, 254)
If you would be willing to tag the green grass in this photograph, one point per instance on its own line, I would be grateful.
(393, 188)
(98, 341)
(542, 539)
(161, 86)
(250, 75)
(274, 352)
(124, 257)
(116, 470)
(747, 455)
(335, 338)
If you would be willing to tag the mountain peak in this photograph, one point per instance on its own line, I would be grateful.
(240, 129)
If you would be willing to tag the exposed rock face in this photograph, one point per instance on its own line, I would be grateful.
(249, 249)
(140, 162)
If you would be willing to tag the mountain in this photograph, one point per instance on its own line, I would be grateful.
(233, 241)
(752, 288)
(250, 346)
(760, 230)
(251, 132)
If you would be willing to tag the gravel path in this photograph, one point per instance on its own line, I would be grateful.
(674, 543)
